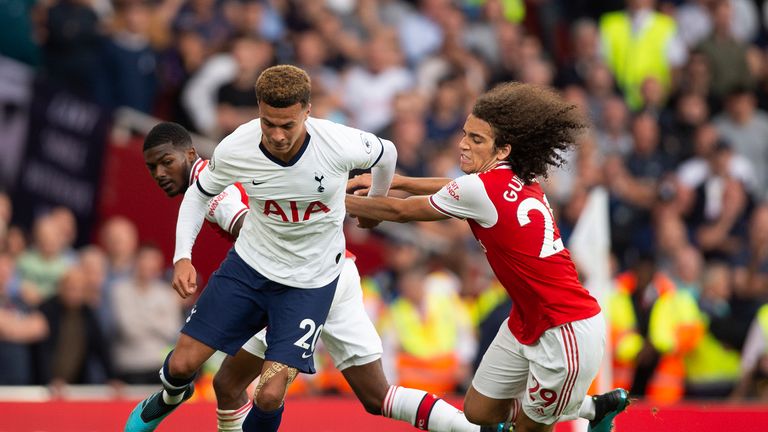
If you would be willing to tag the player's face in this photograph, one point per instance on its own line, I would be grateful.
(283, 129)
(170, 167)
(477, 152)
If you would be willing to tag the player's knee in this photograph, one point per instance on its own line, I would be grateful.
(181, 367)
(270, 397)
(227, 388)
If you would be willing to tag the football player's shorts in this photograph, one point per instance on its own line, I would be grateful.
(348, 334)
(548, 379)
(239, 301)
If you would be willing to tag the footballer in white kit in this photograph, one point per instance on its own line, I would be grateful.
(292, 235)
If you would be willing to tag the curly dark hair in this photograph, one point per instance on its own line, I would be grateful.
(282, 86)
(168, 132)
(535, 121)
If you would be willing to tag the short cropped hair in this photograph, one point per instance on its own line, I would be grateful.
(168, 132)
(535, 121)
(282, 86)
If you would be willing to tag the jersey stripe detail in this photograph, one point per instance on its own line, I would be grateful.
(235, 218)
(380, 154)
(205, 192)
(443, 211)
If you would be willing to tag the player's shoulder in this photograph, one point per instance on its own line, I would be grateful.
(244, 135)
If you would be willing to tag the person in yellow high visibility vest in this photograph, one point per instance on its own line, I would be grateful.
(429, 334)
(640, 43)
(652, 325)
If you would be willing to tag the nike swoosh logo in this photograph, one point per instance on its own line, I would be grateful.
(306, 355)
(257, 183)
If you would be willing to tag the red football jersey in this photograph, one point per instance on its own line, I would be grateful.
(225, 208)
(516, 229)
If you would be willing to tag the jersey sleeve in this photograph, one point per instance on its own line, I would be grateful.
(362, 150)
(226, 208)
(465, 198)
(218, 173)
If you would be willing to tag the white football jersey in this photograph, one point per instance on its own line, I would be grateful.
(293, 232)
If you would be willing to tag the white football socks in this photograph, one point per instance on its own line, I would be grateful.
(425, 411)
(232, 420)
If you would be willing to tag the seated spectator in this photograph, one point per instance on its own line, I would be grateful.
(236, 100)
(147, 320)
(19, 326)
(43, 265)
(717, 218)
(75, 339)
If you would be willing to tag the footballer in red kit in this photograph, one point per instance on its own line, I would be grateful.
(540, 365)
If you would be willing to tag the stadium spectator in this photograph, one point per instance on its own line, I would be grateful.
(746, 128)
(712, 367)
(75, 338)
(640, 43)
(42, 265)
(127, 74)
(236, 100)
(653, 325)
(727, 56)
(754, 360)
(147, 319)
(613, 137)
(428, 341)
(71, 42)
(19, 326)
(368, 90)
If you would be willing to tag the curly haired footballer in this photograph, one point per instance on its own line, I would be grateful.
(282, 86)
(535, 121)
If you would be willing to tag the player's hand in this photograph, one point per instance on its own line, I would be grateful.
(359, 184)
(184, 278)
(363, 222)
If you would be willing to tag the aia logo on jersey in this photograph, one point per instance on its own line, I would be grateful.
(319, 179)
(272, 207)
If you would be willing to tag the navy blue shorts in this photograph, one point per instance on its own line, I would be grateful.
(239, 301)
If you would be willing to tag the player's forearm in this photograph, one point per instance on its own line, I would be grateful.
(384, 170)
(190, 220)
(378, 208)
(418, 185)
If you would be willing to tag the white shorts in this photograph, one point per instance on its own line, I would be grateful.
(549, 378)
(348, 333)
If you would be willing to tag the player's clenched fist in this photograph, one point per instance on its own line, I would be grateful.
(184, 278)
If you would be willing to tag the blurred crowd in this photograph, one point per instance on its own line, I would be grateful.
(676, 91)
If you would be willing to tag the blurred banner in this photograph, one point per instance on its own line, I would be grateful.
(61, 160)
(15, 98)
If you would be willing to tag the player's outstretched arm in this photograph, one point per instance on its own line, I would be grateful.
(190, 220)
(415, 208)
(360, 184)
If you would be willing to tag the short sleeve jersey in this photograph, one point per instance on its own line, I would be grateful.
(516, 229)
(293, 233)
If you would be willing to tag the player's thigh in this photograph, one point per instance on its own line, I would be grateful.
(484, 410)
(296, 320)
(231, 308)
(503, 370)
(349, 335)
(563, 364)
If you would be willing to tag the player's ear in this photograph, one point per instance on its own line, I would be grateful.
(191, 154)
(309, 108)
(502, 153)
